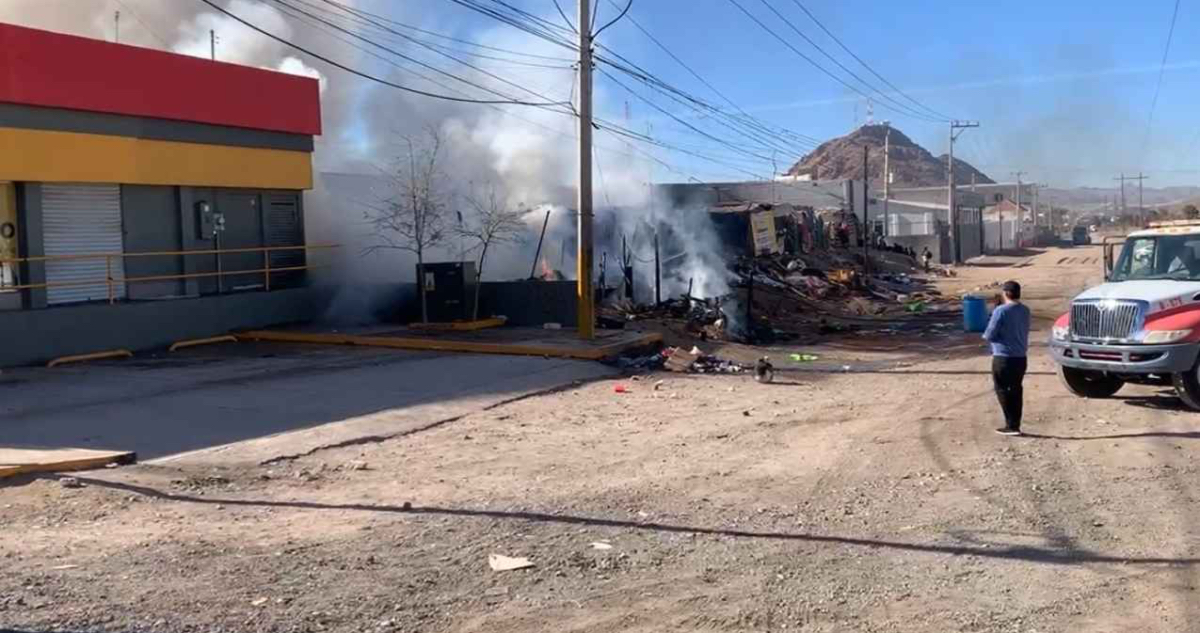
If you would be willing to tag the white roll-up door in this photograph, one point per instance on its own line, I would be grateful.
(82, 219)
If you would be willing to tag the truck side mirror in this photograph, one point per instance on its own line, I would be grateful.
(1108, 260)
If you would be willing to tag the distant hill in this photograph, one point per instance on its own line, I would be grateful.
(1094, 197)
(912, 164)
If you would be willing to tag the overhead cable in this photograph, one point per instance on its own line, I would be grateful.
(362, 74)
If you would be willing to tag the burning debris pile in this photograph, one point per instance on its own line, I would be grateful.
(779, 297)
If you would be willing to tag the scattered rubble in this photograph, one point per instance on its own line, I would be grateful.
(695, 361)
(784, 298)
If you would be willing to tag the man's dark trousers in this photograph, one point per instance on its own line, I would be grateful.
(1008, 372)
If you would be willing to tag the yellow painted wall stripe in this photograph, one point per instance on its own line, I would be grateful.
(44, 156)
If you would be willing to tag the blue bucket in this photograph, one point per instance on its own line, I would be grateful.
(975, 314)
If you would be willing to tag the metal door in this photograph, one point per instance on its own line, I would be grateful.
(243, 229)
(82, 219)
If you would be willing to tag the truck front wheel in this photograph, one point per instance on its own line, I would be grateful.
(1094, 384)
(1187, 385)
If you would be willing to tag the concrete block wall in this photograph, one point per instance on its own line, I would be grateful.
(145, 325)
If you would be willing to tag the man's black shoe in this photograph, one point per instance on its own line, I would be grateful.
(1009, 432)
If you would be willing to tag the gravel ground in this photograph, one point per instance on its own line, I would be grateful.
(874, 499)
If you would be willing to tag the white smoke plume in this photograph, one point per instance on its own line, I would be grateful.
(528, 152)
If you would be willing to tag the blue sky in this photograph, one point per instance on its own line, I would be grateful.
(1062, 89)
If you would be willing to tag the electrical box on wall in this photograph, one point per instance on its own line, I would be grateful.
(449, 290)
(209, 223)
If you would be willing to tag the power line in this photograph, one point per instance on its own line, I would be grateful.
(143, 23)
(695, 74)
(443, 36)
(766, 142)
(813, 62)
(629, 134)
(338, 35)
(865, 64)
(352, 15)
(550, 106)
(613, 127)
(750, 127)
(435, 50)
(614, 20)
(905, 109)
(1158, 86)
(538, 27)
(547, 103)
(679, 120)
(564, 16)
(517, 22)
(362, 74)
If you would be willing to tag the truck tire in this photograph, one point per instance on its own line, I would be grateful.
(1187, 385)
(1093, 384)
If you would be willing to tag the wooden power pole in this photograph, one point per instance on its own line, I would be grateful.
(956, 128)
(585, 295)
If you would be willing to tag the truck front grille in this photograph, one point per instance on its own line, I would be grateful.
(1105, 320)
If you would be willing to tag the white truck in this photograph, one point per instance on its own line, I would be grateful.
(1143, 324)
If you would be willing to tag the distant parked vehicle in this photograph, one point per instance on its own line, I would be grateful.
(1080, 236)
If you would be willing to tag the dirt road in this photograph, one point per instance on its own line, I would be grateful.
(869, 499)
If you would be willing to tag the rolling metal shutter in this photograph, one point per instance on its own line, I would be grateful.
(284, 228)
(82, 219)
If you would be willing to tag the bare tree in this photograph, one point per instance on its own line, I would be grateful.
(411, 217)
(491, 222)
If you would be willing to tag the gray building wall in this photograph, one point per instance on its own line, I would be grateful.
(152, 223)
(154, 219)
(530, 303)
(939, 245)
(143, 325)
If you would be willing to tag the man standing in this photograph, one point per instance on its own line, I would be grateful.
(1008, 334)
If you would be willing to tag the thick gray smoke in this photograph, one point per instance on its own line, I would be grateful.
(528, 153)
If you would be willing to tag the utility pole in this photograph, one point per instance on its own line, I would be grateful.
(1036, 207)
(866, 219)
(1017, 233)
(117, 27)
(1122, 179)
(583, 258)
(956, 128)
(212, 44)
(1141, 209)
(887, 179)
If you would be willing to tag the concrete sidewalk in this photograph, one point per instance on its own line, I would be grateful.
(258, 402)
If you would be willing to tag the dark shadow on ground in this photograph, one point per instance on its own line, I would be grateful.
(902, 371)
(1183, 435)
(1051, 556)
(202, 398)
(1013, 252)
(1164, 401)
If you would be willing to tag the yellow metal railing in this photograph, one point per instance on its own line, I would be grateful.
(266, 271)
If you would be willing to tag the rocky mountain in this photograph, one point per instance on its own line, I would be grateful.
(912, 164)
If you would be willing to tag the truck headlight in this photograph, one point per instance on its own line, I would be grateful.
(1165, 336)
(1060, 332)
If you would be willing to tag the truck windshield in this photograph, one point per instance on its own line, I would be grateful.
(1174, 257)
